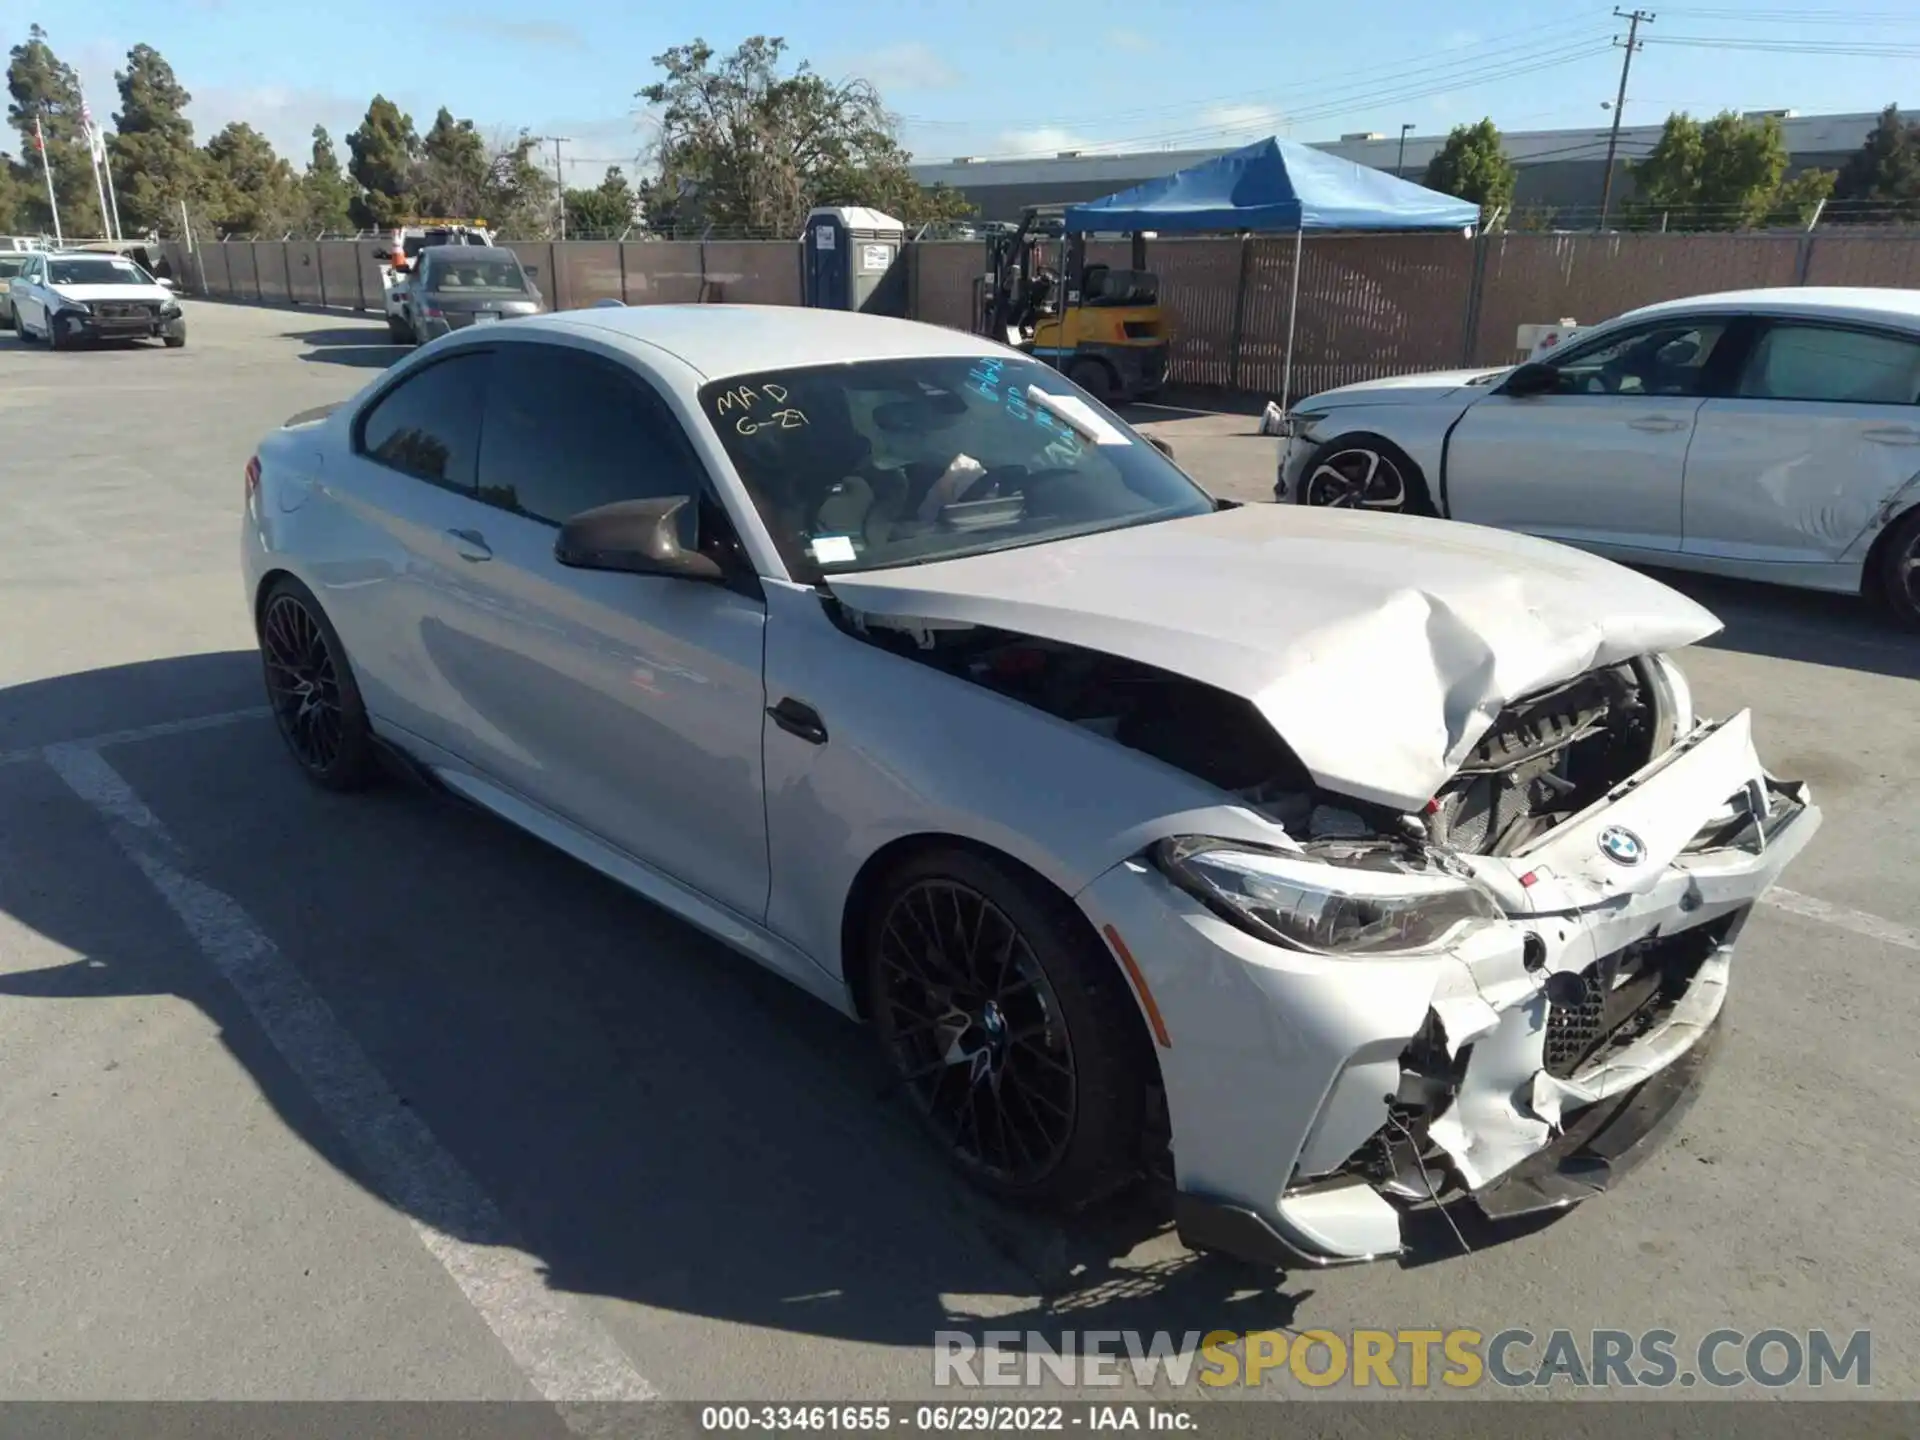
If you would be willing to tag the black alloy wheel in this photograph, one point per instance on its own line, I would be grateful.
(977, 1034)
(1009, 1035)
(315, 702)
(1356, 477)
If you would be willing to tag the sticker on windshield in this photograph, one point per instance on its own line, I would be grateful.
(755, 409)
(833, 549)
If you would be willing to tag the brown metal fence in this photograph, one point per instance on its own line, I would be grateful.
(1368, 304)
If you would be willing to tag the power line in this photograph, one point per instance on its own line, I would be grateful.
(1360, 80)
(1895, 50)
(1434, 85)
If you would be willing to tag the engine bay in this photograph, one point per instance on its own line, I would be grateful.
(1546, 757)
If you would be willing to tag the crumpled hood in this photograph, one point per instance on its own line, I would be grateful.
(1404, 389)
(1380, 647)
(112, 292)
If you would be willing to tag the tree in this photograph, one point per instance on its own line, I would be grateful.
(607, 209)
(250, 189)
(751, 149)
(1882, 180)
(45, 88)
(326, 193)
(16, 187)
(451, 178)
(384, 149)
(156, 165)
(1473, 166)
(520, 193)
(1727, 174)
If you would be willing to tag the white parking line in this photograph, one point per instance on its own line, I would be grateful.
(144, 732)
(1858, 921)
(565, 1354)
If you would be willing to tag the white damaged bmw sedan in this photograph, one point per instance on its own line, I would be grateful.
(1341, 866)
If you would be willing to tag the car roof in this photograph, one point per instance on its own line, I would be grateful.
(1832, 302)
(454, 254)
(721, 340)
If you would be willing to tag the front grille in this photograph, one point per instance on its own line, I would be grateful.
(123, 311)
(1621, 996)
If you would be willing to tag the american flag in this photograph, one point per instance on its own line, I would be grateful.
(96, 142)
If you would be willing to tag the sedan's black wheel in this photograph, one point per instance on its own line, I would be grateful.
(1009, 1029)
(1363, 473)
(315, 701)
(1900, 570)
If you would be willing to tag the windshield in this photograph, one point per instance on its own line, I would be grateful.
(90, 271)
(899, 462)
(447, 270)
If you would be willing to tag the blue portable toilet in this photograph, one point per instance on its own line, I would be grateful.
(853, 258)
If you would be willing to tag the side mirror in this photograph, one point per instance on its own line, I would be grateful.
(1532, 378)
(165, 284)
(533, 272)
(383, 254)
(1162, 446)
(638, 537)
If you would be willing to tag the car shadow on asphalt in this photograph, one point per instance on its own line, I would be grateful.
(364, 346)
(661, 1120)
(1811, 626)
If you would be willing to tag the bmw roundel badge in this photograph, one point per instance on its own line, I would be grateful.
(1621, 845)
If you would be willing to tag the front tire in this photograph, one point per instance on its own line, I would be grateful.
(1899, 570)
(1094, 377)
(1364, 472)
(310, 686)
(173, 342)
(1009, 1029)
(56, 338)
(399, 332)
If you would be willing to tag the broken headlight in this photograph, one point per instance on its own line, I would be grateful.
(1347, 900)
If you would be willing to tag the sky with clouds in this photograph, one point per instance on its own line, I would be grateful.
(969, 78)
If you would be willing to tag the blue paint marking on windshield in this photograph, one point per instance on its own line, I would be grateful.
(984, 379)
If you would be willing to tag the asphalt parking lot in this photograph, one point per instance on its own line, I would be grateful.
(304, 1096)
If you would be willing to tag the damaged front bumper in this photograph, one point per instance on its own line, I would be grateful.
(1316, 1102)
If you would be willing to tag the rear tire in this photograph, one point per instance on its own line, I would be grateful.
(310, 685)
(1009, 1029)
(1899, 570)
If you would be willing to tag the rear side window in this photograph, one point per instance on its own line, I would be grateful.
(1823, 362)
(568, 431)
(428, 426)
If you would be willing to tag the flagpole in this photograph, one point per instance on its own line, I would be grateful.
(91, 137)
(46, 168)
(106, 164)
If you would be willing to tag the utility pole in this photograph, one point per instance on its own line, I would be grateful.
(560, 179)
(1635, 19)
(1401, 164)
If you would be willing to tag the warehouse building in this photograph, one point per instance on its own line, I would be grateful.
(1558, 169)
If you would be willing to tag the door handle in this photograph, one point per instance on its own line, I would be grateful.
(1658, 423)
(798, 719)
(1893, 435)
(473, 545)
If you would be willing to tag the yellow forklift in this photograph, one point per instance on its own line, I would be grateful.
(1104, 328)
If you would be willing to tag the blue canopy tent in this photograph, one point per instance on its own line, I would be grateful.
(1273, 186)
